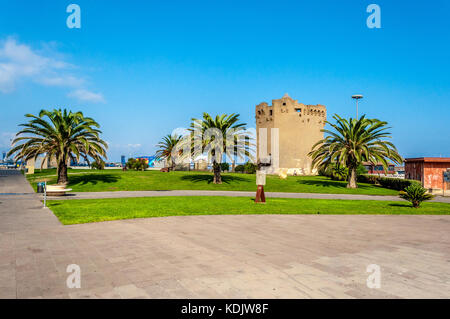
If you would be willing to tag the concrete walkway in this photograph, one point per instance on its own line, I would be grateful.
(233, 256)
(24, 211)
(124, 194)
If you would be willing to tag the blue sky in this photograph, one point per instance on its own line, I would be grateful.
(143, 68)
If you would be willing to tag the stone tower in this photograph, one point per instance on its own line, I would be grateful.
(299, 128)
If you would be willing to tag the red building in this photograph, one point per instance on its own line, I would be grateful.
(428, 170)
(378, 168)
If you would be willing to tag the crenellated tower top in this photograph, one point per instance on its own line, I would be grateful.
(289, 109)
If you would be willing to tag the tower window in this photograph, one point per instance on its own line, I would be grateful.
(284, 103)
(270, 112)
(298, 110)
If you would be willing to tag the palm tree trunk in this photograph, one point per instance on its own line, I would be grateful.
(217, 177)
(62, 173)
(352, 177)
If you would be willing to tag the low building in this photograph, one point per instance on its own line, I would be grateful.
(40, 162)
(378, 168)
(201, 165)
(399, 170)
(429, 171)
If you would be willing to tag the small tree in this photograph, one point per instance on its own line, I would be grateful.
(224, 167)
(98, 164)
(415, 194)
(165, 148)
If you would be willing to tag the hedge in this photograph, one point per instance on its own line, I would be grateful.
(387, 182)
(248, 168)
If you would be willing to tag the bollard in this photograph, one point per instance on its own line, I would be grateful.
(260, 182)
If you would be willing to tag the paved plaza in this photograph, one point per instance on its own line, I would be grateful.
(238, 256)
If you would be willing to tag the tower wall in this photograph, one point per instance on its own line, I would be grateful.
(299, 127)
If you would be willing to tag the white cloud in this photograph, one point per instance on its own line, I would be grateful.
(134, 145)
(64, 81)
(19, 62)
(88, 96)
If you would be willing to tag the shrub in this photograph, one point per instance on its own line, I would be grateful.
(239, 168)
(224, 167)
(130, 163)
(98, 165)
(250, 168)
(361, 170)
(397, 183)
(137, 164)
(415, 194)
(370, 179)
(339, 172)
(322, 172)
(387, 182)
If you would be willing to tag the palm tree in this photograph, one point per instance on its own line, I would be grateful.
(416, 194)
(352, 142)
(217, 135)
(166, 146)
(60, 135)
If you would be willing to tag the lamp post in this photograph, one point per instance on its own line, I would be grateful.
(357, 97)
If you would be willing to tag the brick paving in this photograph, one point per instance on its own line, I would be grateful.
(239, 256)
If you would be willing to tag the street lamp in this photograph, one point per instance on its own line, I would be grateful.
(357, 97)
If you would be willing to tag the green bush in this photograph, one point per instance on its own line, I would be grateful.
(130, 163)
(98, 165)
(387, 182)
(224, 167)
(250, 168)
(137, 164)
(370, 179)
(239, 168)
(361, 170)
(415, 194)
(339, 172)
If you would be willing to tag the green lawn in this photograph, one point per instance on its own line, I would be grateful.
(117, 180)
(96, 210)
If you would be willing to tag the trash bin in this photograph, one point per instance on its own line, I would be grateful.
(40, 187)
